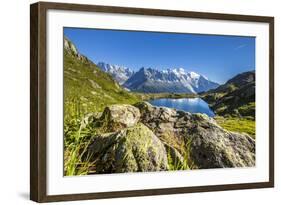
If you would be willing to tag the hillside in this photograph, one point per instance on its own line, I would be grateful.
(236, 97)
(85, 84)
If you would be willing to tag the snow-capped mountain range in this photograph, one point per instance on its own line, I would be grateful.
(120, 73)
(151, 80)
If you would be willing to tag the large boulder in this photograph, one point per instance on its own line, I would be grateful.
(134, 149)
(168, 124)
(117, 117)
(210, 146)
(160, 120)
(148, 138)
(206, 144)
(157, 114)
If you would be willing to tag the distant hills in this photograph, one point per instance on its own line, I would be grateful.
(235, 97)
(149, 80)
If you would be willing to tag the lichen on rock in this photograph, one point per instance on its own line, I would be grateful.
(210, 146)
(145, 138)
(217, 148)
(117, 117)
(134, 149)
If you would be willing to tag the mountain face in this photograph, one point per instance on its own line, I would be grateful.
(235, 97)
(119, 73)
(177, 81)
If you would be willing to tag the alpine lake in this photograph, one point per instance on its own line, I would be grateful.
(192, 105)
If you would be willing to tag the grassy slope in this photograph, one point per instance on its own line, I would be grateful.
(246, 125)
(88, 89)
(236, 97)
(234, 106)
(229, 120)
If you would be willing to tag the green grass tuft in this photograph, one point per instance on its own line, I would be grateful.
(186, 164)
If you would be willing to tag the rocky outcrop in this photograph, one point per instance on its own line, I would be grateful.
(148, 138)
(159, 119)
(134, 149)
(69, 46)
(209, 145)
(72, 50)
(117, 117)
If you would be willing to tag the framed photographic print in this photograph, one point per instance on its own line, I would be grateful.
(134, 102)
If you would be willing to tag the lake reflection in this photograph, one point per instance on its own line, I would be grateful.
(192, 105)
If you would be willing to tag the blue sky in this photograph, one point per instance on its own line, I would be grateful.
(217, 57)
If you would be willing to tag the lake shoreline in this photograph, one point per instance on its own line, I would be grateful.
(191, 105)
(151, 96)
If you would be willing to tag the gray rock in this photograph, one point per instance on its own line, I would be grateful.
(210, 146)
(70, 47)
(72, 50)
(135, 149)
(117, 117)
(216, 148)
(158, 119)
(140, 138)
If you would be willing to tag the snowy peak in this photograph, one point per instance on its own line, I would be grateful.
(119, 73)
(169, 80)
(179, 71)
(175, 80)
(194, 75)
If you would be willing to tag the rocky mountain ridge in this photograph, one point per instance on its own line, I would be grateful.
(120, 73)
(170, 80)
(156, 81)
